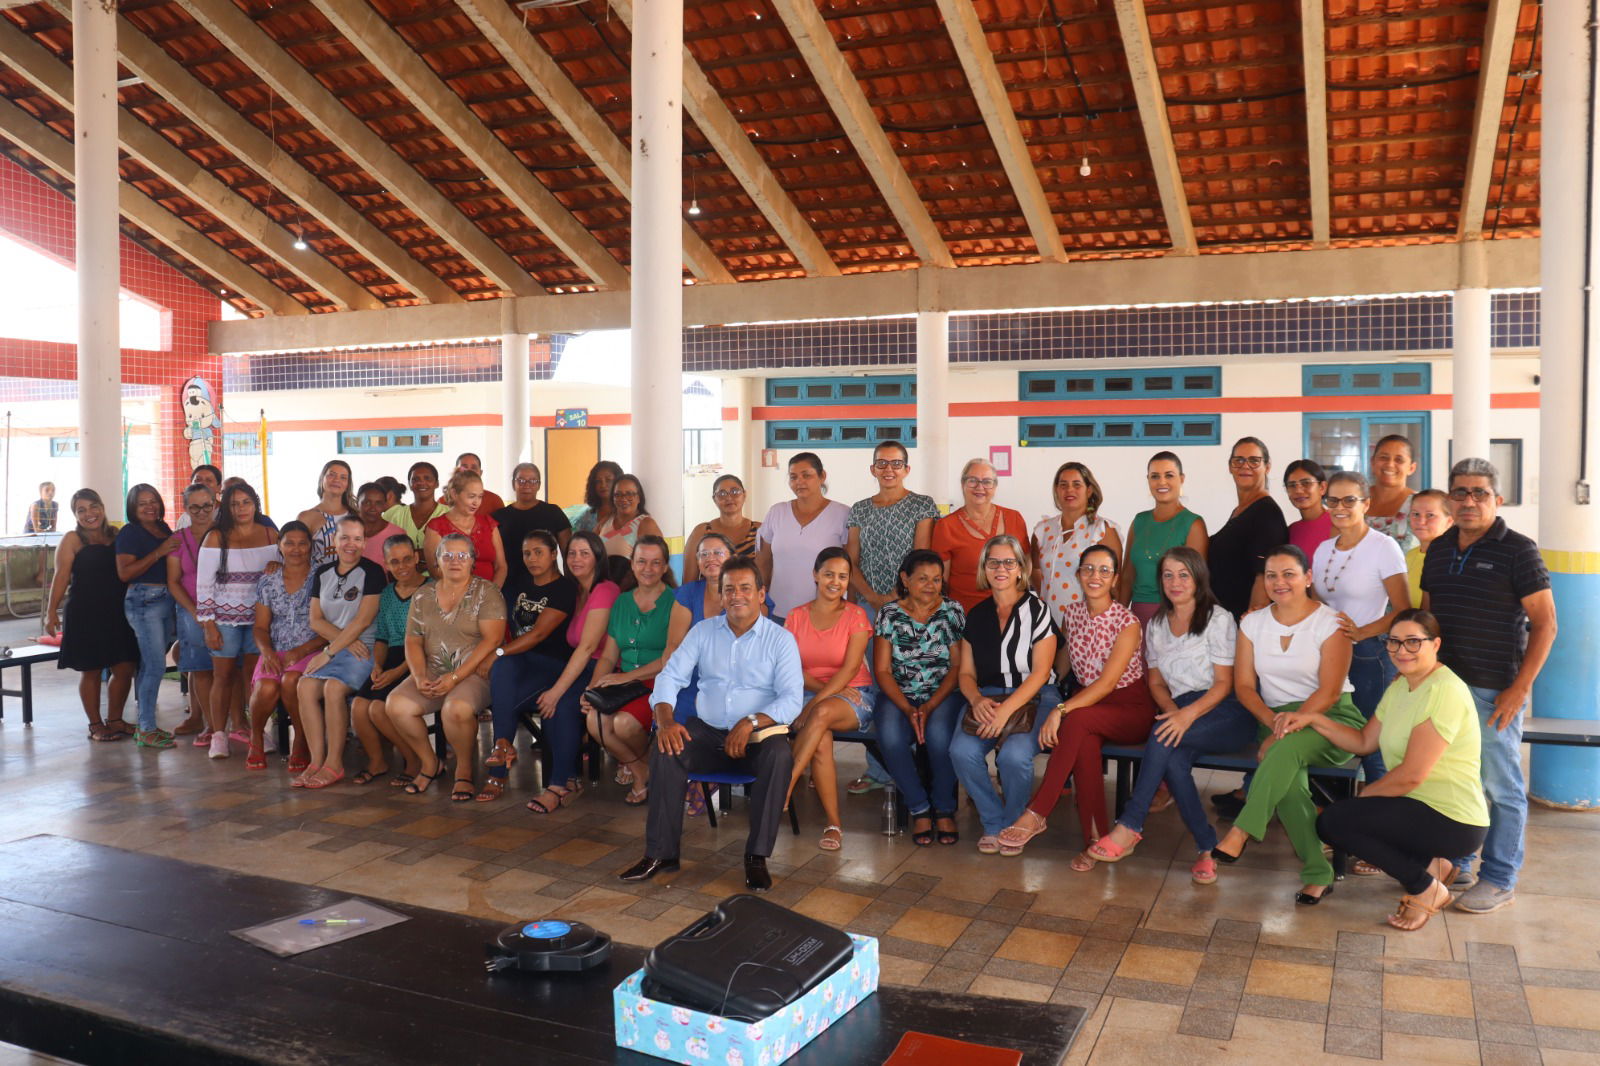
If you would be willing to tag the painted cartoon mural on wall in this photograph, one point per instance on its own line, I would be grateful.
(200, 421)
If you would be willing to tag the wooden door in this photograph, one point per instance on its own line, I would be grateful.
(568, 456)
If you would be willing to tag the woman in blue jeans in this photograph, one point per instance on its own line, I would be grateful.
(1007, 651)
(914, 658)
(1189, 648)
(142, 547)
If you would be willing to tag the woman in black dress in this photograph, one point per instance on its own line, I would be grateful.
(1239, 549)
(96, 636)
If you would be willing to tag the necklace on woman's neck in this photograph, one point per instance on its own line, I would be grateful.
(1331, 581)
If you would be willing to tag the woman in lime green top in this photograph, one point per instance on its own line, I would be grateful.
(646, 626)
(1430, 803)
(1168, 524)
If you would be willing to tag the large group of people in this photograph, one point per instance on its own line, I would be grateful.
(1402, 628)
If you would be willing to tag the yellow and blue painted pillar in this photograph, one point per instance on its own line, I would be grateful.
(1569, 388)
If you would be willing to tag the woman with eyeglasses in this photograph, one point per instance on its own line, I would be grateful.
(885, 526)
(630, 518)
(645, 627)
(1007, 650)
(97, 638)
(465, 517)
(728, 493)
(526, 512)
(1189, 651)
(597, 496)
(455, 624)
(413, 517)
(1306, 483)
(1292, 656)
(1169, 524)
(334, 501)
(1254, 528)
(794, 531)
(1431, 802)
(1104, 641)
(194, 658)
(961, 536)
(143, 546)
(1394, 461)
(1361, 574)
(1060, 539)
(916, 659)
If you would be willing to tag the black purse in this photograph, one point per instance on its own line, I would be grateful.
(609, 699)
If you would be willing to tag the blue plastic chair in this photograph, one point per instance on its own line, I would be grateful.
(706, 780)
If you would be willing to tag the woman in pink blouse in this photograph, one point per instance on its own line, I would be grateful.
(1104, 640)
(833, 635)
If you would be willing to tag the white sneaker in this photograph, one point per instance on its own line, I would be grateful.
(219, 745)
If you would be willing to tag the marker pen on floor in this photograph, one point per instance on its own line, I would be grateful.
(333, 921)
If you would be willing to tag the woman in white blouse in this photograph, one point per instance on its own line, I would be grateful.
(1292, 656)
(1189, 646)
(1060, 539)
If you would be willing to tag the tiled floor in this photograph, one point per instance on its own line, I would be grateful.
(1171, 971)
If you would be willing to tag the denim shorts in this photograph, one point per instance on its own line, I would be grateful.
(192, 651)
(861, 701)
(347, 668)
(236, 641)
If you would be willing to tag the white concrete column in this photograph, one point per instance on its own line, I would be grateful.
(930, 463)
(94, 120)
(1470, 385)
(1569, 401)
(657, 294)
(513, 401)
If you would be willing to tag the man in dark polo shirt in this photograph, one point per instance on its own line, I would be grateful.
(1488, 587)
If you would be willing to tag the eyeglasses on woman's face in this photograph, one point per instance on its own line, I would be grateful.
(888, 464)
(1254, 462)
(1089, 570)
(980, 482)
(625, 494)
(526, 482)
(1346, 502)
(707, 554)
(1001, 564)
(1411, 644)
(455, 557)
(727, 494)
(1304, 484)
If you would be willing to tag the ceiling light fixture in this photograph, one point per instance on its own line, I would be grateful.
(1084, 170)
(694, 207)
(300, 244)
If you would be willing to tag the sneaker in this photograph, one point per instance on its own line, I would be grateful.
(1483, 897)
(202, 739)
(219, 745)
(1464, 880)
(862, 785)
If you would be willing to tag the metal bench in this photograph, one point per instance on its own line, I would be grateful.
(24, 656)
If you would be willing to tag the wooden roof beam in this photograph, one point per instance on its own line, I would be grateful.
(393, 57)
(1314, 48)
(972, 46)
(53, 78)
(835, 80)
(1146, 77)
(252, 46)
(39, 140)
(504, 32)
(1494, 69)
(705, 105)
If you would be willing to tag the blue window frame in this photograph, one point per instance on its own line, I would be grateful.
(244, 443)
(1115, 430)
(1366, 379)
(876, 388)
(1344, 441)
(63, 447)
(357, 442)
(844, 433)
(1143, 383)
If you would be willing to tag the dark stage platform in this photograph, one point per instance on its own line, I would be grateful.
(109, 956)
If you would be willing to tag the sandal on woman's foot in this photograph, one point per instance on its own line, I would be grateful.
(121, 726)
(833, 842)
(463, 795)
(1163, 799)
(493, 789)
(153, 738)
(922, 838)
(1014, 838)
(299, 762)
(1444, 871)
(1306, 899)
(255, 759)
(324, 777)
(563, 797)
(1415, 911)
(1363, 868)
(98, 731)
(188, 726)
(624, 776)
(950, 836)
(1204, 871)
(1083, 862)
(637, 797)
(401, 780)
(988, 845)
(694, 804)
(1107, 850)
(419, 783)
(504, 754)
(368, 776)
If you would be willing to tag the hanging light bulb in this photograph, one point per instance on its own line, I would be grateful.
(1084, 170)
(299, 242)
(694, 207)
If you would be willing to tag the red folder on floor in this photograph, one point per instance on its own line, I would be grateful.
(922, 1049)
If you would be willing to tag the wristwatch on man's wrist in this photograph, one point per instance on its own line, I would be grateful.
(754, 720)
(499, 653)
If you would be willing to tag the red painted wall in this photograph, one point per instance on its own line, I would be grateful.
(36, 214)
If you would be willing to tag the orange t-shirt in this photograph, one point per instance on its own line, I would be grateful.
(822, 651)
(957, 544)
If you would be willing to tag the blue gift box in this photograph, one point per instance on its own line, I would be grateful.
(694, 1038)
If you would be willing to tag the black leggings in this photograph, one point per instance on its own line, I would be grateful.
(1399, 835)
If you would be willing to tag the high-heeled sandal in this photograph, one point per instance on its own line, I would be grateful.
(419, 783)
(504, 754)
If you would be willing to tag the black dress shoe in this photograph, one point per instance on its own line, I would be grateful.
(646, 868)
(756, 878)
(1306, 899)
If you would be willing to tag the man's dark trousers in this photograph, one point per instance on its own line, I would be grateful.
(770, 761)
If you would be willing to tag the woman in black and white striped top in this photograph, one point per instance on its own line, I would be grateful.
(1006, 655)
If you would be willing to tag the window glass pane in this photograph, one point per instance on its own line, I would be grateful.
(888, 388)
(1157, 429)
(405, 441)
(819, 392)
(1329, 382)
(1041, 387)
(886, 432)
(1158, 384)
(1119, 429)
(1363, 379)
(1079, 430)
(1408, 379)
(1080, 384)
(789, 433)
(1197, 429)
(852, 390)
(1119, 384)
(1337, 443)
(1041, 431)
(819, 433)
(1506, 455)
(852, 432)
(1199, 382)
(785, 392)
